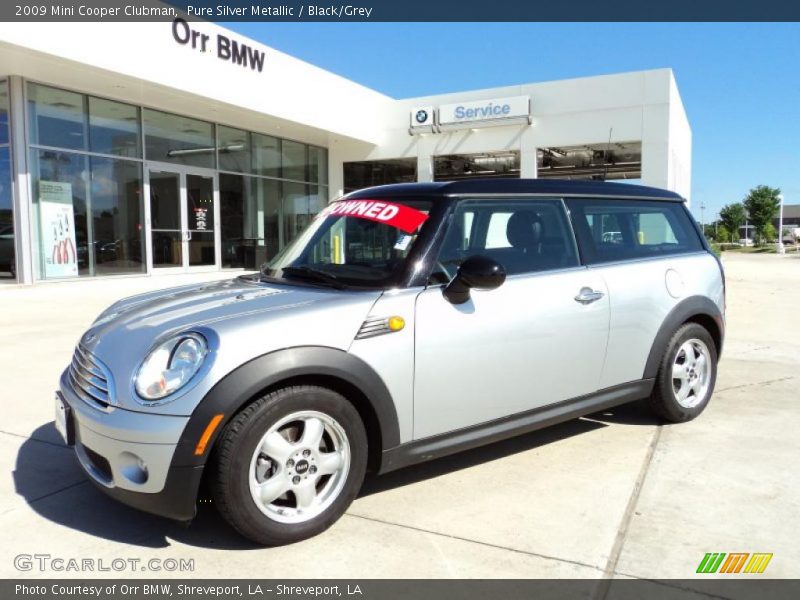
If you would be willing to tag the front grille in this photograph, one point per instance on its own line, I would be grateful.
(90, 379)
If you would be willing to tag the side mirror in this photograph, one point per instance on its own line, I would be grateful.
(479, 272)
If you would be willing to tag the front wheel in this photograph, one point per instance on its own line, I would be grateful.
(289, 465)
(686, 376)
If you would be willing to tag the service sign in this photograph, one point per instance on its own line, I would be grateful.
(485, 110)
(403, 217)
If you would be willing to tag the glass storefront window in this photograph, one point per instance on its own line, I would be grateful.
(87, 161)
(234, 149)
(8, 265)
(117, 216)
(60, 203)
(266, 155)
(114, 128)
(56, 117)
(294, 160)
(455, 167)
(300, 203)
(317, 165)
(7, 253)
(3, 112)
(250, 210)
(358, 175)
(175, 139)
(268, 195)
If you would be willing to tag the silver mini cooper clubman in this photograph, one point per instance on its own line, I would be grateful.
(406, 323)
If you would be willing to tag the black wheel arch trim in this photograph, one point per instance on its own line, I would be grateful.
(245, 382)
(687, 309)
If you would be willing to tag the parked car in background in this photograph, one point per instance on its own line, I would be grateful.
(406, 323)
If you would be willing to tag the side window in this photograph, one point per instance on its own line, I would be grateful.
(496, 233)
(612, 230)
(525, 236)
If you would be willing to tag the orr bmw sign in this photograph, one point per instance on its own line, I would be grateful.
(225, 48)
(478, 113)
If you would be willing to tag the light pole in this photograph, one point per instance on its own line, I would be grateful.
(702, 217)
(781, 249)
(746, 229)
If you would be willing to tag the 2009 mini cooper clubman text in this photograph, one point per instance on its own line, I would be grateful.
(407, 322)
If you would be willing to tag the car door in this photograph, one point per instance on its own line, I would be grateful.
(538, 339)
(651, 257)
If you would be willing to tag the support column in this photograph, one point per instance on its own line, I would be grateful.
(424, 164)
(21, 184)
(528, 168)
(335, 172)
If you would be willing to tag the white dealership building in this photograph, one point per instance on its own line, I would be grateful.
(147, 148)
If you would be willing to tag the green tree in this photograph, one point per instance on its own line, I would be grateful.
(723, 235)
(762, 204)
(770, 233)
(732, 217)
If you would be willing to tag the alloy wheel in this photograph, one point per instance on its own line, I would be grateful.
(691, 373)
(299, 467)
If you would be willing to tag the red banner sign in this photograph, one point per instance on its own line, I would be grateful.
(401, 216)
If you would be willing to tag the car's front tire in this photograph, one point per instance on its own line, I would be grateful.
(288, 465)
(686, 376)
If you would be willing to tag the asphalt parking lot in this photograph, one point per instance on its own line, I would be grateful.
(615, 494)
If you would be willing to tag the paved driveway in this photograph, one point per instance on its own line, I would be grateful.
(615, 493)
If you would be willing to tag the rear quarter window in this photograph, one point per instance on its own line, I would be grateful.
(614, 230)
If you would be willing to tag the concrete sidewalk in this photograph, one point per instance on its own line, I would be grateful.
(615, 494)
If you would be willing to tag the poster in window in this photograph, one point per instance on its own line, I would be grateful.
(57, 219)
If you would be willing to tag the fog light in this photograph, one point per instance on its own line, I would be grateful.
(133, 468)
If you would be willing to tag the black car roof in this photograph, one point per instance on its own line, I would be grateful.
(550, 187)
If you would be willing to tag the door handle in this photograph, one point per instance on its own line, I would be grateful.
(587, 295)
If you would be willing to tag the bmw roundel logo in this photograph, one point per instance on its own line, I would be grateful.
(421, 116)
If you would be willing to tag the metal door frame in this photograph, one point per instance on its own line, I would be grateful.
(181, 171)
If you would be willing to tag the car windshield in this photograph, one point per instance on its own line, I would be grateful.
(354, 243)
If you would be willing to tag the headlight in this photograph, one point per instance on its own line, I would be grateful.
(170, 366)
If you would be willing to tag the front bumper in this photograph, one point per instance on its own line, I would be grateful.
(130, 456)
(177, 500)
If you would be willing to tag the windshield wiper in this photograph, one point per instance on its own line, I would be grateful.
(316, 274)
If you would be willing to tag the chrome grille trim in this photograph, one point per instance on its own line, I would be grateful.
(86, 362)
(90, 379)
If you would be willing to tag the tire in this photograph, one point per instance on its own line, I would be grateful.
(682, 390)
(313, 486)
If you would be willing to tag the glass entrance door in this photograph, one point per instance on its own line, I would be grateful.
(199, 205)
(182, 220)
(166, 243)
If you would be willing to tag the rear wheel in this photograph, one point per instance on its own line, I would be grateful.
(686, 376)
(290, 464)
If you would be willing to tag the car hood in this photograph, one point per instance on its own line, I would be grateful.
(241, 318)
(205, 303)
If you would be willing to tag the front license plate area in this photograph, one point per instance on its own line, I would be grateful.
(64, 422)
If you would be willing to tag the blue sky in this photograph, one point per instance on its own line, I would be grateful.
(740, 83)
